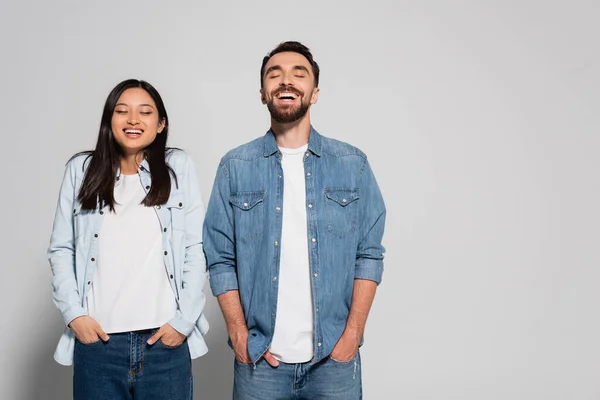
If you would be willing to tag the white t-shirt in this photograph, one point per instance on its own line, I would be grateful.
(293, 335)
(131, 289)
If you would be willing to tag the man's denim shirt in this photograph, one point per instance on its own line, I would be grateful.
(242, 231)
(74, 249)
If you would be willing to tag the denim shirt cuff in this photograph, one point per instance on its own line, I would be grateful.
(182, 325)
(223, 282)
(369, 269)
(73, 312)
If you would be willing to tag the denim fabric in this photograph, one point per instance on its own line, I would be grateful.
(327, 380)
(126, 367)
(345, 219)
(74, 248)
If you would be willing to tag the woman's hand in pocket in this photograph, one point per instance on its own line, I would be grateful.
(168, 335)
(88, 330)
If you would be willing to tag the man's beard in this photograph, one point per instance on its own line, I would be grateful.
(288, 114)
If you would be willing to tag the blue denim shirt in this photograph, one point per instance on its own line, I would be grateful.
(74, 248)
(242, 230)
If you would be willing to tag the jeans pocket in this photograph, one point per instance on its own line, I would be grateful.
(166, 346)
(86, 343)
(343, 362)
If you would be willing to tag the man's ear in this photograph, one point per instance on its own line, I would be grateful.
(263, 99)
(315, 96)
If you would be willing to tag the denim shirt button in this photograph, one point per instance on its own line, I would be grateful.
(316, 275)
(278, 208)
(310, 206)
(276, 243)
(319, 344)
(274, 278)
(313, 240)
(308, 174)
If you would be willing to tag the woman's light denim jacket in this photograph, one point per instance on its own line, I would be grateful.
(73, 250)
(242, 232)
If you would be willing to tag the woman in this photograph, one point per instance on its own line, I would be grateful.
(126, 257)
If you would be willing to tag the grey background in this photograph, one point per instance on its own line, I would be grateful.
(480, 121)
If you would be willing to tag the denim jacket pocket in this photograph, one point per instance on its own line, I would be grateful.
(342, 210)
(176, 206)
(249, 210)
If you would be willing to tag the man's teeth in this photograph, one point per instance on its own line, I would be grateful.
(137, 131)
(287, 94)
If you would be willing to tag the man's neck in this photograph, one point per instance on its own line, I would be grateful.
(292, 135)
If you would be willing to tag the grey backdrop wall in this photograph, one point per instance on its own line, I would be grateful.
(479, 118)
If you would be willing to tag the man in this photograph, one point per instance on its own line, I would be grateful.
(292, 237)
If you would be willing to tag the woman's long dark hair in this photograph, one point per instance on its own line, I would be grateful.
(99, 181)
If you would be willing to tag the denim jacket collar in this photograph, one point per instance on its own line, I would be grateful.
(143, 167)
(314, 143)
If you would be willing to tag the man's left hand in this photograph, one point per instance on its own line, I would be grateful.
(346, 348)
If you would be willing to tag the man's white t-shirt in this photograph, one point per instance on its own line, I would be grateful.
(293, 335)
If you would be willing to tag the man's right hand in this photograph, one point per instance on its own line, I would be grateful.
(239, 340)
(88, 330)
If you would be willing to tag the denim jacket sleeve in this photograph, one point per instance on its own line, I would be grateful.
(193, 278)
(370, 251)
(219, 243)
(61, 252)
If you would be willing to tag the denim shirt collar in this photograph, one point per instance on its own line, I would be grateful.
(143, 167)
(314, 143)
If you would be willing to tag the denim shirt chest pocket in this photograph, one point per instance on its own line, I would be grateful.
(341, 208)
(249, 214)
(85, 222)
(78, 224)
(176, 207)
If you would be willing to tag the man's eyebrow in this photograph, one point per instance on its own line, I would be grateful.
(301, 68)
(273, 68)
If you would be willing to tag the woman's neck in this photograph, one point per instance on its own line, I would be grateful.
(130, 163)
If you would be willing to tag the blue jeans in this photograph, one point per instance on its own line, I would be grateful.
(126, 367)
(328, 379)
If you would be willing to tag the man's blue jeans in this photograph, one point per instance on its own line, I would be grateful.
(328, 380)
(126, 367)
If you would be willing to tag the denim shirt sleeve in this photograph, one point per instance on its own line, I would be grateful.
(61, 252)
(191, 295)
(370, 251)
(219, 242)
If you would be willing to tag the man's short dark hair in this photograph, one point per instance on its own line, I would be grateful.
(295, 47)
